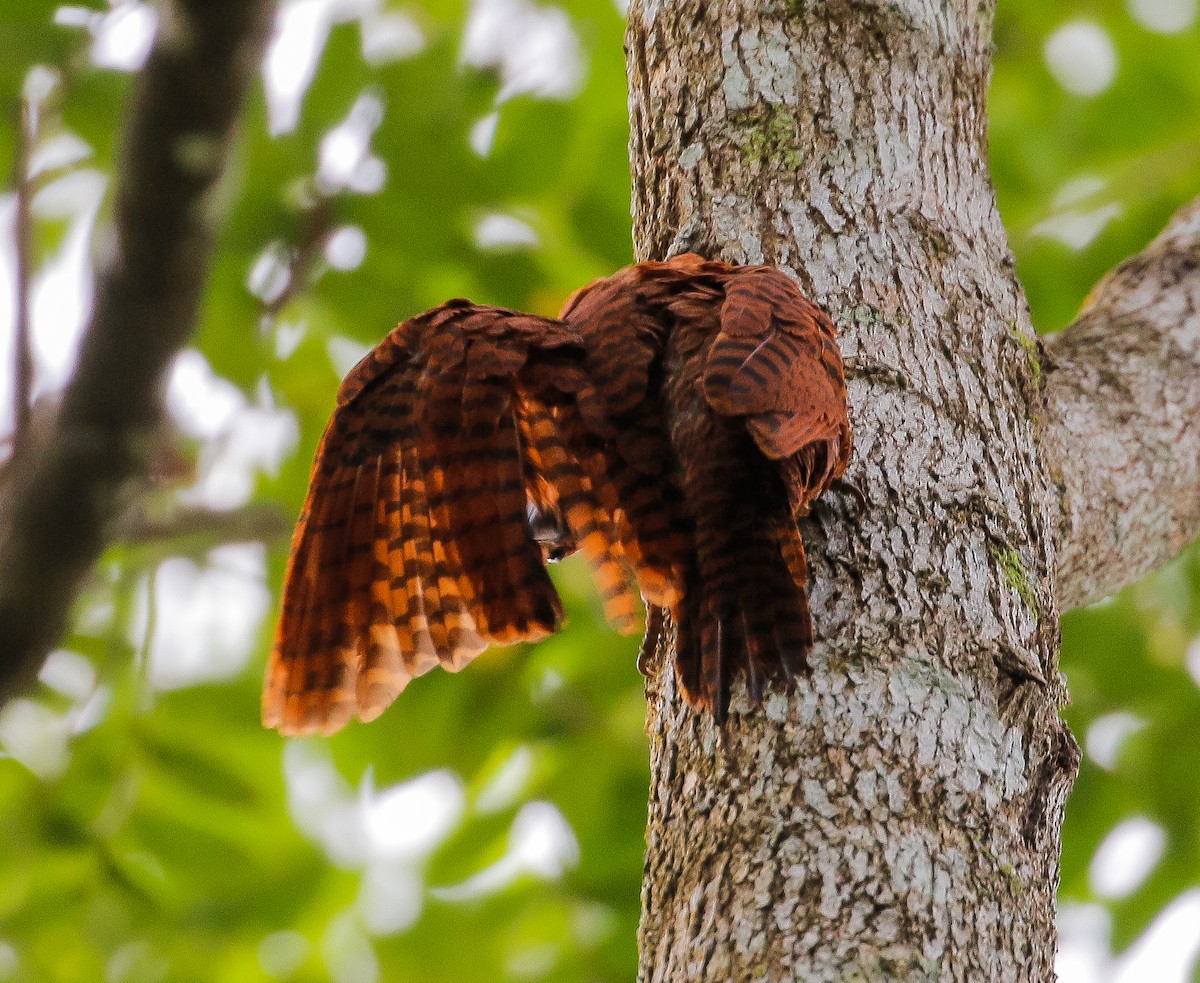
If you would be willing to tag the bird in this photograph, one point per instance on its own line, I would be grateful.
(673, 425)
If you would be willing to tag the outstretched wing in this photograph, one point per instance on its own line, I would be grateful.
(413, 548)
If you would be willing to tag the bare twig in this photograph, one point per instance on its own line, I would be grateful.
(23, 229)
(315, 226)
(259, 521)
(1122, 435)
(65, 492)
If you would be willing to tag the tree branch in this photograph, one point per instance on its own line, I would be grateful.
(61, 495)
(1123, 423)
(22, 329)
(205, 528)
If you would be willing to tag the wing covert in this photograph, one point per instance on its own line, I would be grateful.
(776, 362)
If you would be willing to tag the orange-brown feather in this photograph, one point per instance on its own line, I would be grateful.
(676, 422)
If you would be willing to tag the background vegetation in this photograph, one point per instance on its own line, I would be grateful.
(489, 826)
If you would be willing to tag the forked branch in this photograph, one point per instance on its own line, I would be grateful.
(1123, 423)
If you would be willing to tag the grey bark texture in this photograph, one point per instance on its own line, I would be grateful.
(1123, 401)
(897, 815)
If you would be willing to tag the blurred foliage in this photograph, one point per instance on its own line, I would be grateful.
(172, 839)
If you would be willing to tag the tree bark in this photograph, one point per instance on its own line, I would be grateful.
(896, 816)
(1122, 441)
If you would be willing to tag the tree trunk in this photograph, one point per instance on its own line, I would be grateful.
(897, 815)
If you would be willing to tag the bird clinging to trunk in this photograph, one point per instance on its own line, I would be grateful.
(673, 425)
